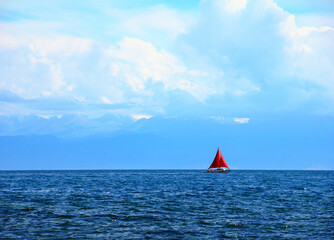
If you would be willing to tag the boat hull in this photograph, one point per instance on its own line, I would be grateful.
(217, 171)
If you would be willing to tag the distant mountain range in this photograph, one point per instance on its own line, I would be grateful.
(113, 142)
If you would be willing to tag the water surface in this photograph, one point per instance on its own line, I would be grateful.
(166, 204)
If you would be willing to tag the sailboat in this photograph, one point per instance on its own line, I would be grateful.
(219, 164)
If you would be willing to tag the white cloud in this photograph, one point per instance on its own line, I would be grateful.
(235, 50)
(141, 116)
(70, 87)
(136, 62)
(308, 53)
(37, 65)
(241, 120)
(7, 41)
(157, 20)
(60, 45)
(261, 49)
(56, 79)
(44, 116)
(234, 6)
(46, 93)
(297, 37)
(106, 100)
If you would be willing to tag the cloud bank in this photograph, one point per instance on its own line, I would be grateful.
(244, 55)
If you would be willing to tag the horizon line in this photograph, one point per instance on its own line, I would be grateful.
(159, 169)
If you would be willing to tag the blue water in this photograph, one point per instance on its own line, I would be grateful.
(166, 205)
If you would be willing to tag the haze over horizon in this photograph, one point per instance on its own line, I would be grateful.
(162, 84)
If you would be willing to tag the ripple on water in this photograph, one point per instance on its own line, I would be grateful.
(166, 205)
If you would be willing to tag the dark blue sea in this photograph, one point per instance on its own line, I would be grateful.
(166, 204)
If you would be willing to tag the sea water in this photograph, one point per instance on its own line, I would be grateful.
(166, 204)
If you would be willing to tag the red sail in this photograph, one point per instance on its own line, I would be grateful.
(215, 163)
(222, 162)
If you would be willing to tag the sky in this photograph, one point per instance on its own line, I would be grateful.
(73, 69)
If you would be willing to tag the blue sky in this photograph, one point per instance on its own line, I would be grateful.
(108, 64)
